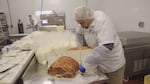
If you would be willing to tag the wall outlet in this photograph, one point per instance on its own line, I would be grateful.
(141, 24)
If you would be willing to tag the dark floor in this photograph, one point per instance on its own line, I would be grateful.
(131, 81)
(135, 80)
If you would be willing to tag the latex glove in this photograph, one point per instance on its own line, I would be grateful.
(81, 68)
(8, 41)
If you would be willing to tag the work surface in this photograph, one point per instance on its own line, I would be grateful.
(38, 75)
(12, 67)
(43, 52)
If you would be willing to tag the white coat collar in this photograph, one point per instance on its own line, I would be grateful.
(92, 25)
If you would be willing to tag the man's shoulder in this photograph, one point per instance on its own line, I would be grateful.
(100, 15)
(98, 12)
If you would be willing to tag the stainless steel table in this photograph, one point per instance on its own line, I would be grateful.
(14, 75)
(37, 74)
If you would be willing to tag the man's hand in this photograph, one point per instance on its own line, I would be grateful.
(81, 68)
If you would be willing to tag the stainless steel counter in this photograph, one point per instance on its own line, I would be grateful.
(137, 52)
(13, 75)
(134, 38)
(37, 74)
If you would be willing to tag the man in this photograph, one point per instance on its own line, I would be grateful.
(95, 29)
(33, 23)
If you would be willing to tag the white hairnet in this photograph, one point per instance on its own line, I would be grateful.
(83, 12)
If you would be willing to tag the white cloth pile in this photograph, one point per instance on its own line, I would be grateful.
(45, 44)
(53, 43)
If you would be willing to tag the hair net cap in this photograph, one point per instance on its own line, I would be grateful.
(83, 12)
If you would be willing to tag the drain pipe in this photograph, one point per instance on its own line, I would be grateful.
(86, 3)
(9, 11)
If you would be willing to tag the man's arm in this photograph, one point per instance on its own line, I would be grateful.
(99, 53)
(81, 40)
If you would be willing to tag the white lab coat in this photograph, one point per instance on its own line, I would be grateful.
(33, 23)
(101, 32)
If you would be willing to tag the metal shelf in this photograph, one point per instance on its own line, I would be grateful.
(3, 26)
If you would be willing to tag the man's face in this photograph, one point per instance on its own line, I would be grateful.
(85, 23)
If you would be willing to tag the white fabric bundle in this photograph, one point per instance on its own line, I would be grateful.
(45, 44)
(53, 43)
